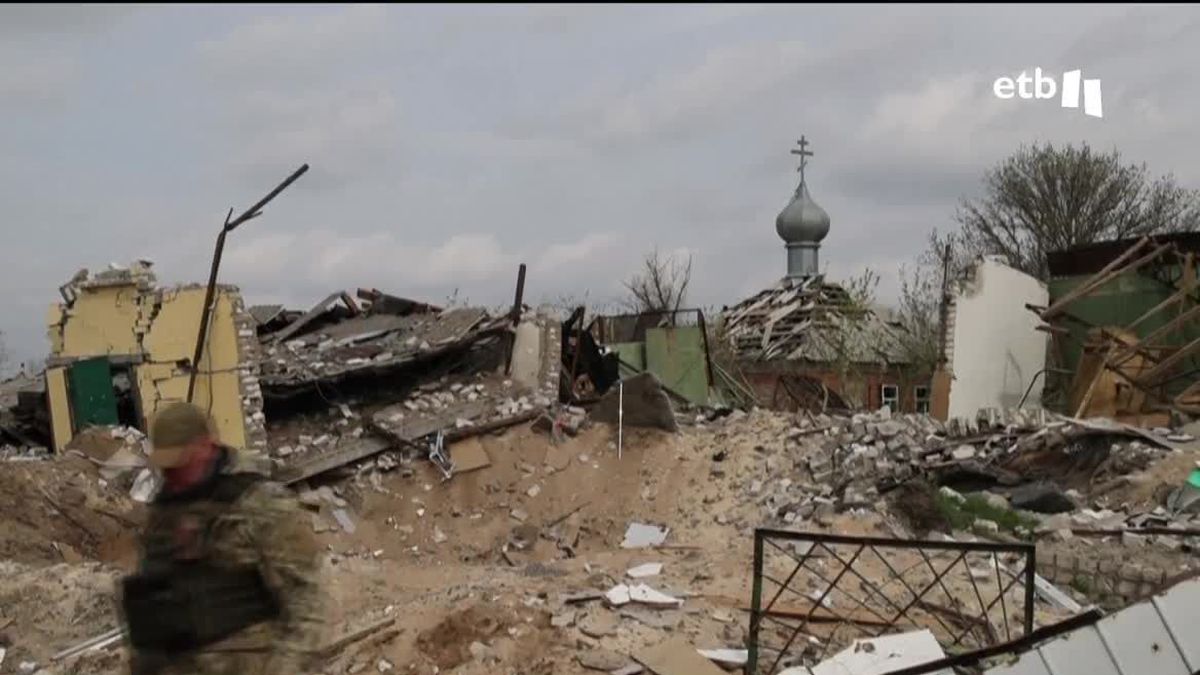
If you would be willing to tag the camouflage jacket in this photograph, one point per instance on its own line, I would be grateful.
(265, 527)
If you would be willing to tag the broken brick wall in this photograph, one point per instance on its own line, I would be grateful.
(865, 384)
(154, 331)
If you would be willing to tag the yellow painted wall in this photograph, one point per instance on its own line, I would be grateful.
(60, 409)
(171, 337)
(54, 319)
(101, 322)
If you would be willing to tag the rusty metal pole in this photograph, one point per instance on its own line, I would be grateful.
(206, 311)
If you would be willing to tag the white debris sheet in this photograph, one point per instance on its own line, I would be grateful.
(726, 658)
(640, 535)
(646, 570)
(344, 520)
(622, 594)
(877, 656)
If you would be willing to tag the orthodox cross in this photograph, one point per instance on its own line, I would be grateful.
(804, 155)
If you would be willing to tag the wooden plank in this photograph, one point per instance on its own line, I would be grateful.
(1110, 272)
(1149, 377)
(676, 657)
(1157, 334)
(1179, 295)
(1101, 371)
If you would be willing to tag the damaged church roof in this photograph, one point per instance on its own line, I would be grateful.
(810, 319)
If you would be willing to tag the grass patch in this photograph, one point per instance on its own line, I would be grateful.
(1081, 584)
(961, 515)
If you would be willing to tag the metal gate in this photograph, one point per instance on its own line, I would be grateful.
(831, 589)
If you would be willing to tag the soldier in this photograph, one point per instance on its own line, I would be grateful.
(228, 580)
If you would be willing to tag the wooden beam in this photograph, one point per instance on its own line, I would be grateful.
(1148, 378)
(1179, 295)
(1085, 287)
(1192, 390)
(1105, 275)
(1101, 368)
(1156, 335)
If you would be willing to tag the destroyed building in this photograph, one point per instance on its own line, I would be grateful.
(993, 352)
(350, 379)
(806, 342)
(121, 349)
(673, 346)
(1120, 316)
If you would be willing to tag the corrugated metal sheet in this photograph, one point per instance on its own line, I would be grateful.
(1158, 637)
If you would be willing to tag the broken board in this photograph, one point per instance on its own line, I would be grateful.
(469, 455)
(676, 657)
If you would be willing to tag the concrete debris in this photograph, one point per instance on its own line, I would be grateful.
(344, 520)
(644, 401)
(598, 624)
(880, 655)
(676, 657)
(726, 658)
(622, 594)
(602, 659)
(618, 595)
(640, 535)
(645, 570)
(563, 619)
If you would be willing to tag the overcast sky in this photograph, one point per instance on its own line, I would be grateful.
(450, 143)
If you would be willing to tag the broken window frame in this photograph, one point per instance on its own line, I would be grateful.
(894, 400)
(921, 401)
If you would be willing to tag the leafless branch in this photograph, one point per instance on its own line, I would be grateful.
(661, 286)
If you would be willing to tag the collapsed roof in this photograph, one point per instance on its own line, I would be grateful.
(373, 342)
(810, 319)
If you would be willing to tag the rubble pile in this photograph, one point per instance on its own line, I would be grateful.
(63, 510)
(1054, 473)
(464, 404)
(372, 342)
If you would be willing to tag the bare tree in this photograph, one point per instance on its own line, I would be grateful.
(661, 286)
(861, 289)
(848, 336)
(924, 287)
(1044, 198)
(3, 354)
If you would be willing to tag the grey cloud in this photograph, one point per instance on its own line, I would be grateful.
(25, 20)
(450, 144)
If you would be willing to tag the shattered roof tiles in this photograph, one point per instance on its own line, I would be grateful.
(372, 342)
(264, 313)
(807, 320)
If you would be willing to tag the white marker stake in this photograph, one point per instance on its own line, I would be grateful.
(620, 416)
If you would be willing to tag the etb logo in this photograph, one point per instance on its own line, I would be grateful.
(1044, 86)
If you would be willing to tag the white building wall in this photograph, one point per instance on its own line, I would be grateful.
(997, 349)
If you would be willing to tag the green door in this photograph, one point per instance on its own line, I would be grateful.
(92, 397)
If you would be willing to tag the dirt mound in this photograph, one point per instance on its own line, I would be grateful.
(61, 510)
(448, 644)
(52, 608)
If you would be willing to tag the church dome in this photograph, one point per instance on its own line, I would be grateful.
(802, 220)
